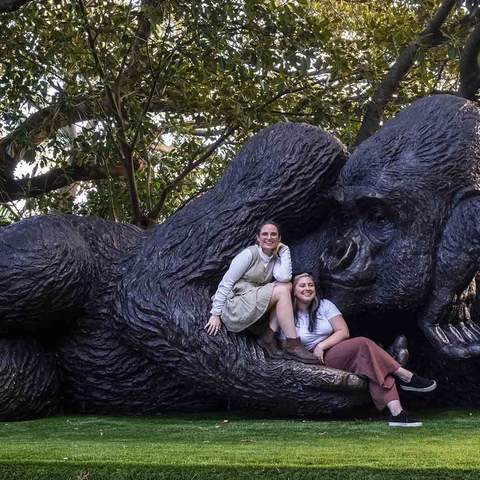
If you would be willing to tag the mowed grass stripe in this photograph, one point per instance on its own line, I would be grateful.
(219, 444)
(88, 472)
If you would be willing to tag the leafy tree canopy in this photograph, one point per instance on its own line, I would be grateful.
(129, 109)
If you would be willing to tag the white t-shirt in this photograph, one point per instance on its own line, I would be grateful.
(323, 328)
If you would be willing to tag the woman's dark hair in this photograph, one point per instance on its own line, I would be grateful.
(268, 222)
(312, 311)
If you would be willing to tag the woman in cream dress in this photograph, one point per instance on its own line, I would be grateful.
(257, 281)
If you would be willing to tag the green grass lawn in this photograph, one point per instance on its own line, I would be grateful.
(222, 445)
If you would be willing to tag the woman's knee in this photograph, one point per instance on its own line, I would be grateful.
(284, 288)
(366, 342)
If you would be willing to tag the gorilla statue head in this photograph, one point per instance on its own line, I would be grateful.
(391, 203)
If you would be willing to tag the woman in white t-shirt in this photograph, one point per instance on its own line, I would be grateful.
(323, 330)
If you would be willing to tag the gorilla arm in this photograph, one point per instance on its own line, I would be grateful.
(282, 173)
(446, 320)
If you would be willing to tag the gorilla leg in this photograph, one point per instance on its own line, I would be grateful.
(44, 267)
(30, 379)
(446, 319)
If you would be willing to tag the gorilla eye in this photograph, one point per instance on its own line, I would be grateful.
(378, 217)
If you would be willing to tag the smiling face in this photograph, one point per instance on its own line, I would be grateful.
(304, 289)
(268, 238)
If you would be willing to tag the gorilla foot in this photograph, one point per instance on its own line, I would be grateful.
(399, 350)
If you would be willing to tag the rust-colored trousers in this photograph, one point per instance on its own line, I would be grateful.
(363, 356)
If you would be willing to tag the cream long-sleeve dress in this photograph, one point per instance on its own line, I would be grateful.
(244, 293)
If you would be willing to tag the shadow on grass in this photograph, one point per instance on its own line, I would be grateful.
(114, 472)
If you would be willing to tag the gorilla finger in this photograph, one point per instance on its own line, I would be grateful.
(468, 333)
(474, 327)
(453, 334)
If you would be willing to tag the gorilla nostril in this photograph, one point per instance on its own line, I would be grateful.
(340, 249)
(347, 254)
(339, 256)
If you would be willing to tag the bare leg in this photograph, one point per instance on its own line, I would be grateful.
(395, 407)
(403, 374)
(282, 316)
(281, 304)
(273, 320)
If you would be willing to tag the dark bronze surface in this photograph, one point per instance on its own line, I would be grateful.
(106, 318)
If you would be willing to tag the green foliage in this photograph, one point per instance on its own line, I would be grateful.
(6, 217)
(242, 63)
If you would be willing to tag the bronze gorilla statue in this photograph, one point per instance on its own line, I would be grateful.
(99, 317)
(404, 230)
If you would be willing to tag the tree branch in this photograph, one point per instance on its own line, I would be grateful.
(129, 68)
(148, 103)
(282, 93)
(54, 179)
(428, 38)
(123, 147)
(192, 165)
(469, 67)
(41, 124)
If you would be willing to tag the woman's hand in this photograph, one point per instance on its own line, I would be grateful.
(319, 352)
(213, 325)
